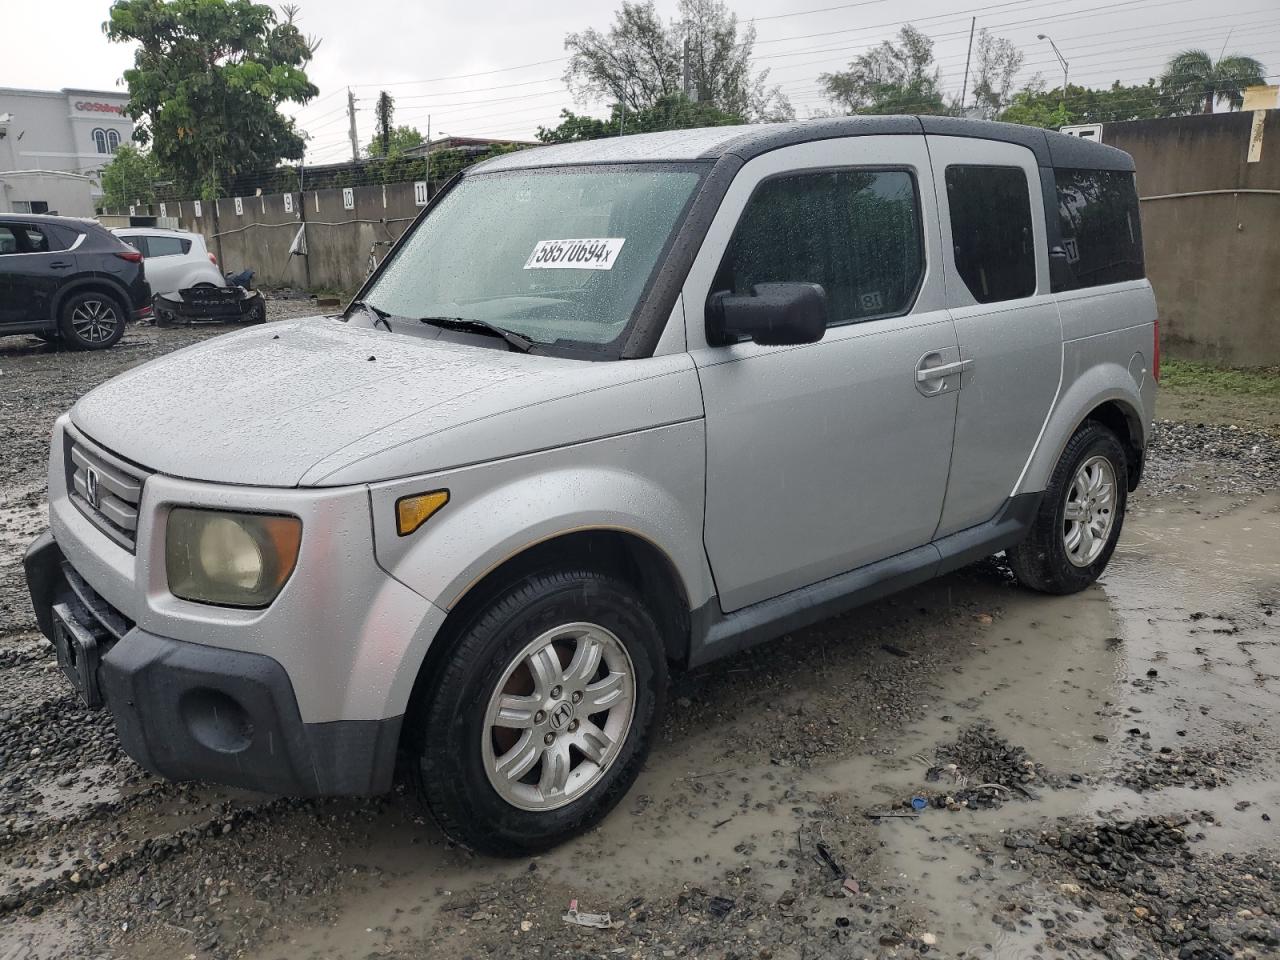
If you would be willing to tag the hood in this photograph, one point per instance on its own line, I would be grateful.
(319, 402)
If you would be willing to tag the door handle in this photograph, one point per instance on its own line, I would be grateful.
(925, 374)
(60, 265)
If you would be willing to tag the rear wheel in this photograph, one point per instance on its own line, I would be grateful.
(1080, 517)
(91, 321)
(542, 716)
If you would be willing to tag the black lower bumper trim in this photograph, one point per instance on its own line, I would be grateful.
(191, 712)
(187, 711)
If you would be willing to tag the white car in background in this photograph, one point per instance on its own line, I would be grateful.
(175, 259)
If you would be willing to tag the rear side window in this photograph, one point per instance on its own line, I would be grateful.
(8, 240)
(40, 240)
(166, 246)
(1101, 231)
(991, 231)
(855, 232)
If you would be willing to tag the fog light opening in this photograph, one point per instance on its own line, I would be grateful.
(216, 721)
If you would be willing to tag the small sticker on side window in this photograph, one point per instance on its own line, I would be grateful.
(598, 254)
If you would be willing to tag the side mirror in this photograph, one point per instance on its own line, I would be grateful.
(775, 315)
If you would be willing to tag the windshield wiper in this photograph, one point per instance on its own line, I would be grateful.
(521, 343)
(379, 316)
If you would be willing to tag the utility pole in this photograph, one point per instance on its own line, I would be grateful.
(351, 117)
(964, 88)
(428, 178)
(687, 76)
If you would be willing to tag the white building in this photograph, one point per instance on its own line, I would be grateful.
(66, 131)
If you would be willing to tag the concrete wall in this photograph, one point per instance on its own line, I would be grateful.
(259, 236)
(68, 195)
(1213, 256)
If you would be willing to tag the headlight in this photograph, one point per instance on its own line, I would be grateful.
(229, 559)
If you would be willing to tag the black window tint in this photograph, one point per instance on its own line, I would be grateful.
(166, 246)
(8, 240)
(138, 243)
(856, 232)
(1101, 231)
(991, 231)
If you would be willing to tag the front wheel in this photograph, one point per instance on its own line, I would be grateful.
(1080, 517)
(541, 717)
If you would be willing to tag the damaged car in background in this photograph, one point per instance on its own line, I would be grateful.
(186, 281)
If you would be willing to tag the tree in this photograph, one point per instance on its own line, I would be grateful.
(1195, 83)
(891, 78)
(130, 177)
(399, 140)
(640, 61)
(998, 61)
(675, 112)
(383, 113)
(207, 83)
(1037, 107)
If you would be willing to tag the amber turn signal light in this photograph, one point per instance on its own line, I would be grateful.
(415, 510)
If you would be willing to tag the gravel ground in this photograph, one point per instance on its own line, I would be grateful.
(1099, 773)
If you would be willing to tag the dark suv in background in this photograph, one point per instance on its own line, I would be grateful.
(69, 280)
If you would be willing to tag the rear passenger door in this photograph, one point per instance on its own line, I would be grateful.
(827, 456)
(996, 268)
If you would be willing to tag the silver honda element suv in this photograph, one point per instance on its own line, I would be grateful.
(606, 411)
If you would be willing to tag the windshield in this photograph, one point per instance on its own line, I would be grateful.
(555, 255)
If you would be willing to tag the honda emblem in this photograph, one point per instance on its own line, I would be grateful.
(91, 486)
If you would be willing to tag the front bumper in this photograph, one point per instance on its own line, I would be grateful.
(187, 711)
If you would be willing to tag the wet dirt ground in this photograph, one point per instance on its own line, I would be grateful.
(1098, 774)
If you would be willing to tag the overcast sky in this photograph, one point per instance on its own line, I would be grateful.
(454, 61)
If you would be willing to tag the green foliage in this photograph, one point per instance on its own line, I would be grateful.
(672, 112)
(996, 62)
(1194, 82)
(1191, 375)
(208, 79)
(400, 139)
(640, 61)
(894, 77)
(1037, 107)
(129, 178)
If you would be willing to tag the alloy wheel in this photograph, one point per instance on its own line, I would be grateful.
(1090, 511)
(558, 717)
(95, 321)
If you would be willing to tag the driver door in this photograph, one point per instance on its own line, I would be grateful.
(824, 457)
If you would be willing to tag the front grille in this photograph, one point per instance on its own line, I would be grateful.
(105, 489)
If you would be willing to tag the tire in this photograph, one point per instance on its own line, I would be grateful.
(1080, 518)
(546, 621)
(89, 320)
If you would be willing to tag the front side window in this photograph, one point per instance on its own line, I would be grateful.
(991, 231)
(854, 231)
(100, 140)
(1101, 230)
(559, 255)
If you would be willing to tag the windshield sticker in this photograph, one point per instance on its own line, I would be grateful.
(574, 254)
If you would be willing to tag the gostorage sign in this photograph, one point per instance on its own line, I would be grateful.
(92, 106)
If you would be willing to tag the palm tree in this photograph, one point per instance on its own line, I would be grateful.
(1194, 82)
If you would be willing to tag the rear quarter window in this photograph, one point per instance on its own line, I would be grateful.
(1101, 228)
